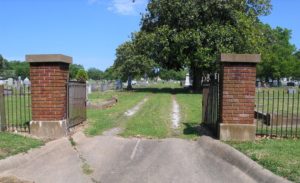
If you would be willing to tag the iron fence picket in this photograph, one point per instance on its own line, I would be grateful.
(17, 108)
(277, 113)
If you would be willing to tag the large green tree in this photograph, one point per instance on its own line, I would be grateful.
(109, 74)
(192, 33)
(1, 62)
(278, 59)
(172, 74)
(296, 65)
(129, 63)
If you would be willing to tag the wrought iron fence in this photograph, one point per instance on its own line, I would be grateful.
(210, 105)
(76, 103)
(277, 112)
(15, 108)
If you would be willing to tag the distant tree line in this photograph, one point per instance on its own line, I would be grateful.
(14, 69)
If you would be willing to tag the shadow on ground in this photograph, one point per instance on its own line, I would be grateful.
(166, 90)
(197, 129)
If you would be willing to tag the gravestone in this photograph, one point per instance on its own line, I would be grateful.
(27, 82)
(118, 84)
(10, 81)
(292, 90)
(187, 80)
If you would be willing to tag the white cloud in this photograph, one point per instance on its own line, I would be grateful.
(126, 7)
(123, 7)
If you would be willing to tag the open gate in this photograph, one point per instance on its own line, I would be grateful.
(210, 102)
(76, 103)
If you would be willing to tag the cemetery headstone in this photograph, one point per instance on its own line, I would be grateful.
(27, 82)
(10, 81)
(187, 80)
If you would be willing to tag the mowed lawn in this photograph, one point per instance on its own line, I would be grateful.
(153, 119)
(282, 157)
(101, 120)
(191, 114)
(11, 144)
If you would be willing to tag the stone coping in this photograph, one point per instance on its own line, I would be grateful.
(240, 58)
(49, 58)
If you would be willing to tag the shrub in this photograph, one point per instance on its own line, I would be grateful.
(81, 76)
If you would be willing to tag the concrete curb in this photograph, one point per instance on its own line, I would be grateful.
(239, 160)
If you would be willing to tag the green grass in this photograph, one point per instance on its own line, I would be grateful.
(101, 96)
(273, 100)
(280, 131)
(11, 144)
(18, 109)
(282, 157)
(153, 119)
(101, 120)
(191, 114)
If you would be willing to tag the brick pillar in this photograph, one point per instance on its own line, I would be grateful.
(237, 96)
(49, 75)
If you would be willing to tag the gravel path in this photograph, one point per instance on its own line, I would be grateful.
(135, 109)
(175, 114)
(130, 112)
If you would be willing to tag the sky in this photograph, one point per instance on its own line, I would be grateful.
(91, 30)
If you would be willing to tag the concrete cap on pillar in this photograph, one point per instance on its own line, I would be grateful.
(49, 58)
(240, 58)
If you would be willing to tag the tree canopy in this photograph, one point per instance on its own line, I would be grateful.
(190, 33)
(130, 64)
(73, 69)
(95, 74)
(278, 59)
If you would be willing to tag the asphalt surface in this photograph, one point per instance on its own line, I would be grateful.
(110, 159)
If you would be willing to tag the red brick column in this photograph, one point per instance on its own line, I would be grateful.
(237, 96)
(49, 75)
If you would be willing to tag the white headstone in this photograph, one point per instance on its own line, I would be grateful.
(27, 82)
(187, 80)
(10, 81)
(89, 88)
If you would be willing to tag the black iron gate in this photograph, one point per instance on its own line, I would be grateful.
(76, 103)
(15, 107)
(210, 102)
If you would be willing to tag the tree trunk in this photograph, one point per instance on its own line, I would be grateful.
(129, 83)
(196, 75)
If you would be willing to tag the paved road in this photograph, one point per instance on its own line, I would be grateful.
(111, 159)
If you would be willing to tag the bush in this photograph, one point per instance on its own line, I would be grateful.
(81, 76)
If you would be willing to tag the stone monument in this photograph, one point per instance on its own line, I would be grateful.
(187, 80)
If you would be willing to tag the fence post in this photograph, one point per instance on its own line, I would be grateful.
(237, 96)
(49, 76)
(2, 110)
